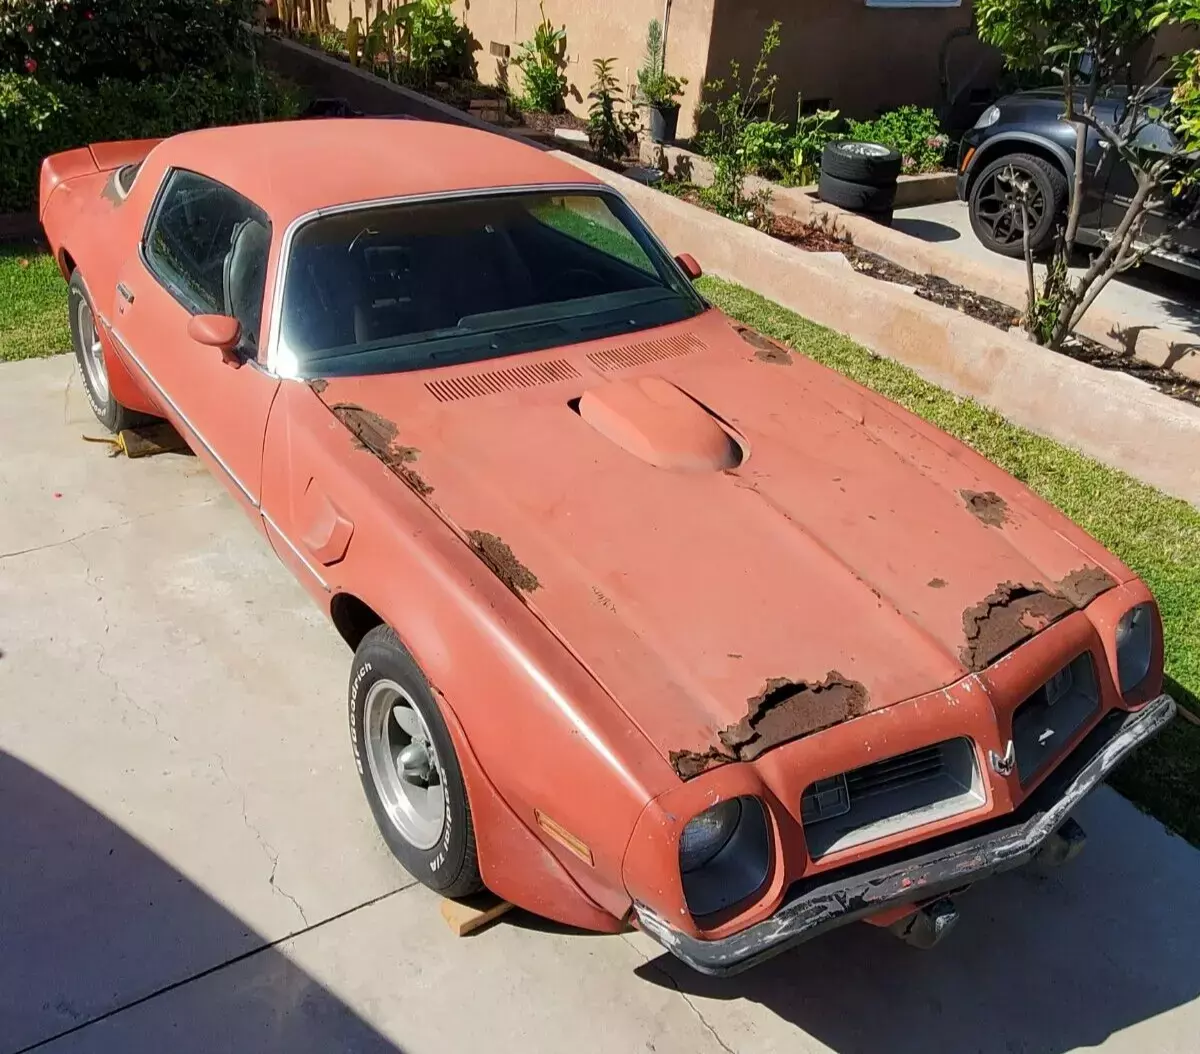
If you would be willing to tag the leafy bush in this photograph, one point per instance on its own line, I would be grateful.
(85, 40)
(656, 87)
(805, 144)
(610, 129)
(911, 130)
(764, 146)
(732, 108)
(40, 117)
(541, 62)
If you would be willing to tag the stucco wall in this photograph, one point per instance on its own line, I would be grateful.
(611, 29)
(863, 59)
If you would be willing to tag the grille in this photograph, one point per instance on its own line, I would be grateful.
(490, 382)
(1046, 722)
(640, 354)
(892, 795)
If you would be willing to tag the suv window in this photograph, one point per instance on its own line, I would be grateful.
(209, 245)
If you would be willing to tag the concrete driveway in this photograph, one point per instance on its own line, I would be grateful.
(186, 862)
(1149, 295)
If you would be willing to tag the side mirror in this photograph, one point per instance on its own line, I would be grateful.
(690, 268)
(218, 331)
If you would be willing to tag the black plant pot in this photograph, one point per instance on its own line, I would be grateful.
(664, 120)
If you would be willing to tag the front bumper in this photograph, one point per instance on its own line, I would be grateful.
(929, 869)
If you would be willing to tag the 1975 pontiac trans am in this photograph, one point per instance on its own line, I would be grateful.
(654, 621)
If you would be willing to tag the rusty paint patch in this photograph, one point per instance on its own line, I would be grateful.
(936, 583)
(1014, 613)
(377, 434)
(1083, 586)
(765, 349)
(1006, 618)
(503, 564)
(783, 711)
(318, 384)
(986, 506)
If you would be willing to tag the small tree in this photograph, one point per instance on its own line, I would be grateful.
(611, 129)
(1094, 46)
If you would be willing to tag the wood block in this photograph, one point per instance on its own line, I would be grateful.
(466, 916)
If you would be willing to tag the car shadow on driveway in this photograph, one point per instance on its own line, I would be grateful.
(106, 949)
(926, 230)
(1036, 965)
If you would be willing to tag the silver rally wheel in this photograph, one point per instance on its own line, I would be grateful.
(91, 353)
(404, 765)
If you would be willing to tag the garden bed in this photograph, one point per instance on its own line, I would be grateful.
(815, 238)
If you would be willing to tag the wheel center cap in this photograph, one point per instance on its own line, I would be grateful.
(413, 763)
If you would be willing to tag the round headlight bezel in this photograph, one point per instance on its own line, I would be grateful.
(735, 859)
(1134, 642)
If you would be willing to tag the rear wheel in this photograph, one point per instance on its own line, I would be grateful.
(996, 198)
(89, 354)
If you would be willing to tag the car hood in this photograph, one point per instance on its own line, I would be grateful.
(704, 519)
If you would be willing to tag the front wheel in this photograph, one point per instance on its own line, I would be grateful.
(408, 767)
(997, 217)
(89, 354)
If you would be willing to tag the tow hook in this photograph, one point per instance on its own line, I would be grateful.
(926, 926)
(1061, 847)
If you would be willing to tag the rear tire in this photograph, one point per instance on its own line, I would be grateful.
(856, 197)
(405, 756)
(995, 195)
(89, 356)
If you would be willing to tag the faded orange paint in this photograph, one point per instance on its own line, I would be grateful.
(592, 585)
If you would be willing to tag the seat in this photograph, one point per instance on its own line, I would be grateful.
(244, 276)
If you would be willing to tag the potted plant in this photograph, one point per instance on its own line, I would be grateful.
(658, 90)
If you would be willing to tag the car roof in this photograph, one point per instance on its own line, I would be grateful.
(290, 168)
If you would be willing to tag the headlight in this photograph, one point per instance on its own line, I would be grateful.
(989, 117)
(724, 855)
(1135, 646)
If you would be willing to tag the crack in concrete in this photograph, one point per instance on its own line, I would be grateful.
(269, 850)
(653, 965)
(107, 527)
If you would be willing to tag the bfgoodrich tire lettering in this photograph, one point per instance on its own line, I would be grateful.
(441, 855)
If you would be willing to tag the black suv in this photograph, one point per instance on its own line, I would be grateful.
(1022, 139)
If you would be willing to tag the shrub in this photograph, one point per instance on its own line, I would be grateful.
(541, 61)
(610, 129)
(86, 40)
(914, 132)
(40, 117)
(808, 139)
(656, 87)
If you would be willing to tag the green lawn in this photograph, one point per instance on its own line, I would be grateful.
(33, 304)
(1158, 536)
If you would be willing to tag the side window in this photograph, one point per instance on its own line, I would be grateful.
(208, 245)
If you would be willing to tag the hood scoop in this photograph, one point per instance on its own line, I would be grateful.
(653, 420)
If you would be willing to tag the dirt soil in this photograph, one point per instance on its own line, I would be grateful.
(784, 710)
(540, 121)
(985, 309)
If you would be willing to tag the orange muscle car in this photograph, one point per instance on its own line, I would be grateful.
(653, 620)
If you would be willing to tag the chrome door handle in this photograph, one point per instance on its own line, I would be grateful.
(125, 294)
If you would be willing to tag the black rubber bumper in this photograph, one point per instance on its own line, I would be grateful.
(924, 871)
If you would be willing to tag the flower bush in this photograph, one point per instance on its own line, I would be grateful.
(914, 132)
(86, 40)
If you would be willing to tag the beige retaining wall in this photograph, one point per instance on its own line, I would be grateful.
(1109, 416)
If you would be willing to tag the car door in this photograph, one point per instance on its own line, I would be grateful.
(1122, 185)
(204, 251)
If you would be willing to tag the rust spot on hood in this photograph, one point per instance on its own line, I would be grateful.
(1083, 586)
(987, 506)
(936, 583)
(766, 350)
(318, 384)
(783, 711)
(377, 434)
(1014, 613)
(503, 564)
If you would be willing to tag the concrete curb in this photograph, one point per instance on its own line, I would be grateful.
(1109, 416)
(1170, 348)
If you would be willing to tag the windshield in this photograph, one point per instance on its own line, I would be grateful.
(434, 283)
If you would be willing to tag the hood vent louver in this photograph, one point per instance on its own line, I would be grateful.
(492, 382)
(631, 355)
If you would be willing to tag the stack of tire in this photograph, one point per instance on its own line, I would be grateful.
(860, 177)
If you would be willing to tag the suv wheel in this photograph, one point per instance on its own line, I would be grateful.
(996, 214)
